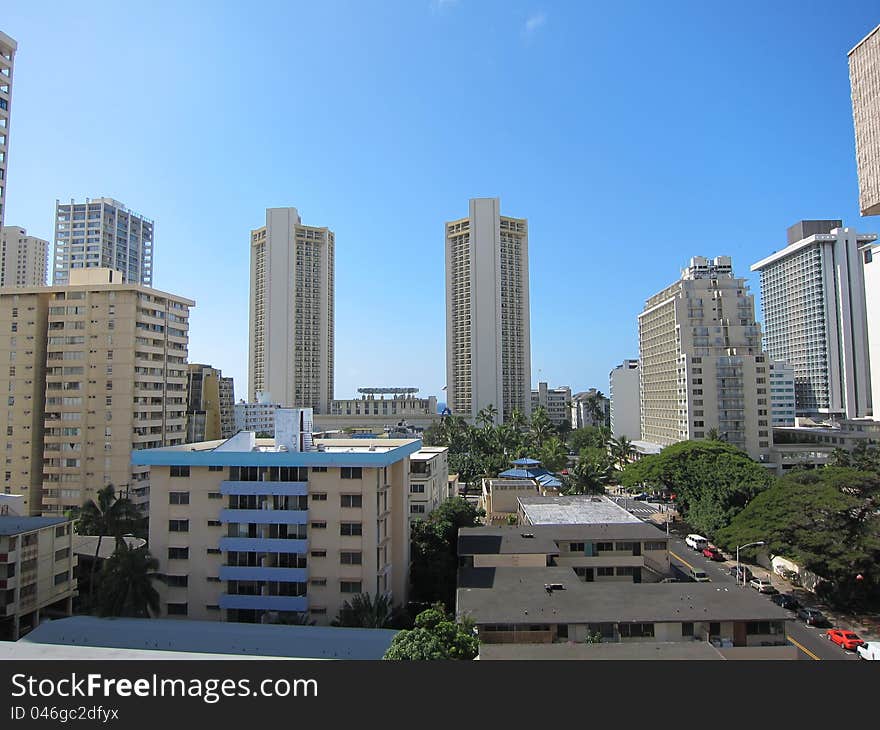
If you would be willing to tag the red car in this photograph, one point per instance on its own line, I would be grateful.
(713, 553)
(845, 639)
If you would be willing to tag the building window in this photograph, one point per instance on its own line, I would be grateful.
(319, 497)
(319, 525)
(626, 571)
(215, 495)
(351, 500)
(319, 469)
(655, 545)
(215, 468)
(417, 509)
(214, 523)
(350, 586)
(178, 525)
(417, 488)
(319, 553)
(318, 581)
(178, 553)
(177, 609)
(635, 630)
(687, 628)
(350, 558)
(350, 528)
(180, 471)
(177, 581)
(351, 472)
(604, 547)
(62, 554)
(178, 497)
(213, 551)
(61, 578)
(605, 572)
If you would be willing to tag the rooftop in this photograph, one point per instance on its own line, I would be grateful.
(541, 539)
(622, 650)
(519, 595)
(574, 510)
(15, 525)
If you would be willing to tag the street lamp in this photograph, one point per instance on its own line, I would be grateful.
(750, 544)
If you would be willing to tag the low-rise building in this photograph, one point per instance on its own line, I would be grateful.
(574, 509)
(555, 401)
(36, 571)
(428, 480)
(257, 416)
(590, 408)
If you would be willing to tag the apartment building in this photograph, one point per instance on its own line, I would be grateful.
(257, 530)
(102, 233)
(700, 361)
(782, 399)
(7, 64)
(813, 298)
(210, 406)
(623, 391)
(292, 312)
(37, 565)
(488, 351)
(92, 369)
(555, 401)
(24, 259)
(590, 408)
(864, 76)
(258, 416)
(428, 480)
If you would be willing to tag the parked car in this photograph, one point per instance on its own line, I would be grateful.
(869, 650)
(786, 600)
(739, 572)
(762, 585)
(812, 616)
(643, 497)
(848, 640)
(699, 576)
(713, 553)
(696, 542)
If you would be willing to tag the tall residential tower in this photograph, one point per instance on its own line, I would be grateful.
(7, 61)
(488, 353)
(24, 259)
(291, 312)
(864, 76)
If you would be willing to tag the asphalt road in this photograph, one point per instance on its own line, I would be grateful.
(810, 642)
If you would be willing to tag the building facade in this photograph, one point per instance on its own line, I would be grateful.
(590, 408)
(700, 361)
(227, 408)
(37, 565)
(782, 401)
(864, 76)
(623, 389)
(258, 416)
(555, 401)
(24, 259)
(488, 351)
(813, 299)
(7, 64)
(102, 233)
(204, 404)
(253, 530)
(93, 370)
(428, 480)
(292, 311)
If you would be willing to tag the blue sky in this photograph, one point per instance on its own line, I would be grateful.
(632, 135)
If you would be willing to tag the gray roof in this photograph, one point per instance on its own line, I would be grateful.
(615, 650)
(15, 525)
(507, 539)
(570, 510)
(518, 596)
(215, 637)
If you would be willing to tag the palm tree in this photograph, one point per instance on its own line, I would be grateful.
(621, 449)
(127, 583)
(110, 515)
(596, 407)
(541, 427)
(518, 420)
(365, 612)
(587, 477)
(553, 454)
(486, 417)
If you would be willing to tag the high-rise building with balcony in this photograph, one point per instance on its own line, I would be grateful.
(782, 401)
(24, 259)
(488, 351)
(701, 366)
(209, 404)
(92, 370)
(813, 299)
(102, 233)
(864, 76)
(292, 312)
(7, 63)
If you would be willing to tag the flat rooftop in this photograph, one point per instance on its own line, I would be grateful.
(538, 539)
(609, 650)
(518, 596)
(574, 510)
(15, 525)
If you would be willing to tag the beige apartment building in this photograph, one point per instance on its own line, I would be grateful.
(209, 404)
(37, 563)
(261, 530)
(488, 350)
(428, 480)
(7, 63)
(93, 370)
(24, 259)
(292, 312)
(701, 362)
(555, 401)
(227, 407)
(864, 76)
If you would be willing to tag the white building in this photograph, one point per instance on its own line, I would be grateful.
(782, 401)
(7, 62)
(102, 233)
(864, 75)
(258, 416)
(813, 297)
(24, 259)
(292, 311)
(556, 401)
(623, 387)
(488, 352)
(428, 480)
(584, 414)
(700, 361)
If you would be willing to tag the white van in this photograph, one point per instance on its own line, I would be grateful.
(696, 542)
(870, 650)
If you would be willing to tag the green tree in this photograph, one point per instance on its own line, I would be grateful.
(435, 635)
(712, 480)
(596, 408)
(541, 427)
(363, 611)
(553, 454)
(621, 450)
(588, 436)
(126, 585)
(591, 474)
(486, 417)
(109, 516)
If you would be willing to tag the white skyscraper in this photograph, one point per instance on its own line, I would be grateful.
(292, 312)
(102, 233)
(488, 353)
(7, 61)
(813, 297)
(623, 390)
(24, 259)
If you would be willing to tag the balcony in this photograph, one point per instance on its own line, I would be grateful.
(294, 489)
(280, 575)
(265, 603)
(265, 516)
(263, 545)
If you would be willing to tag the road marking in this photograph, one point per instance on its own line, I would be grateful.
(678, 557)
(804, 649)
